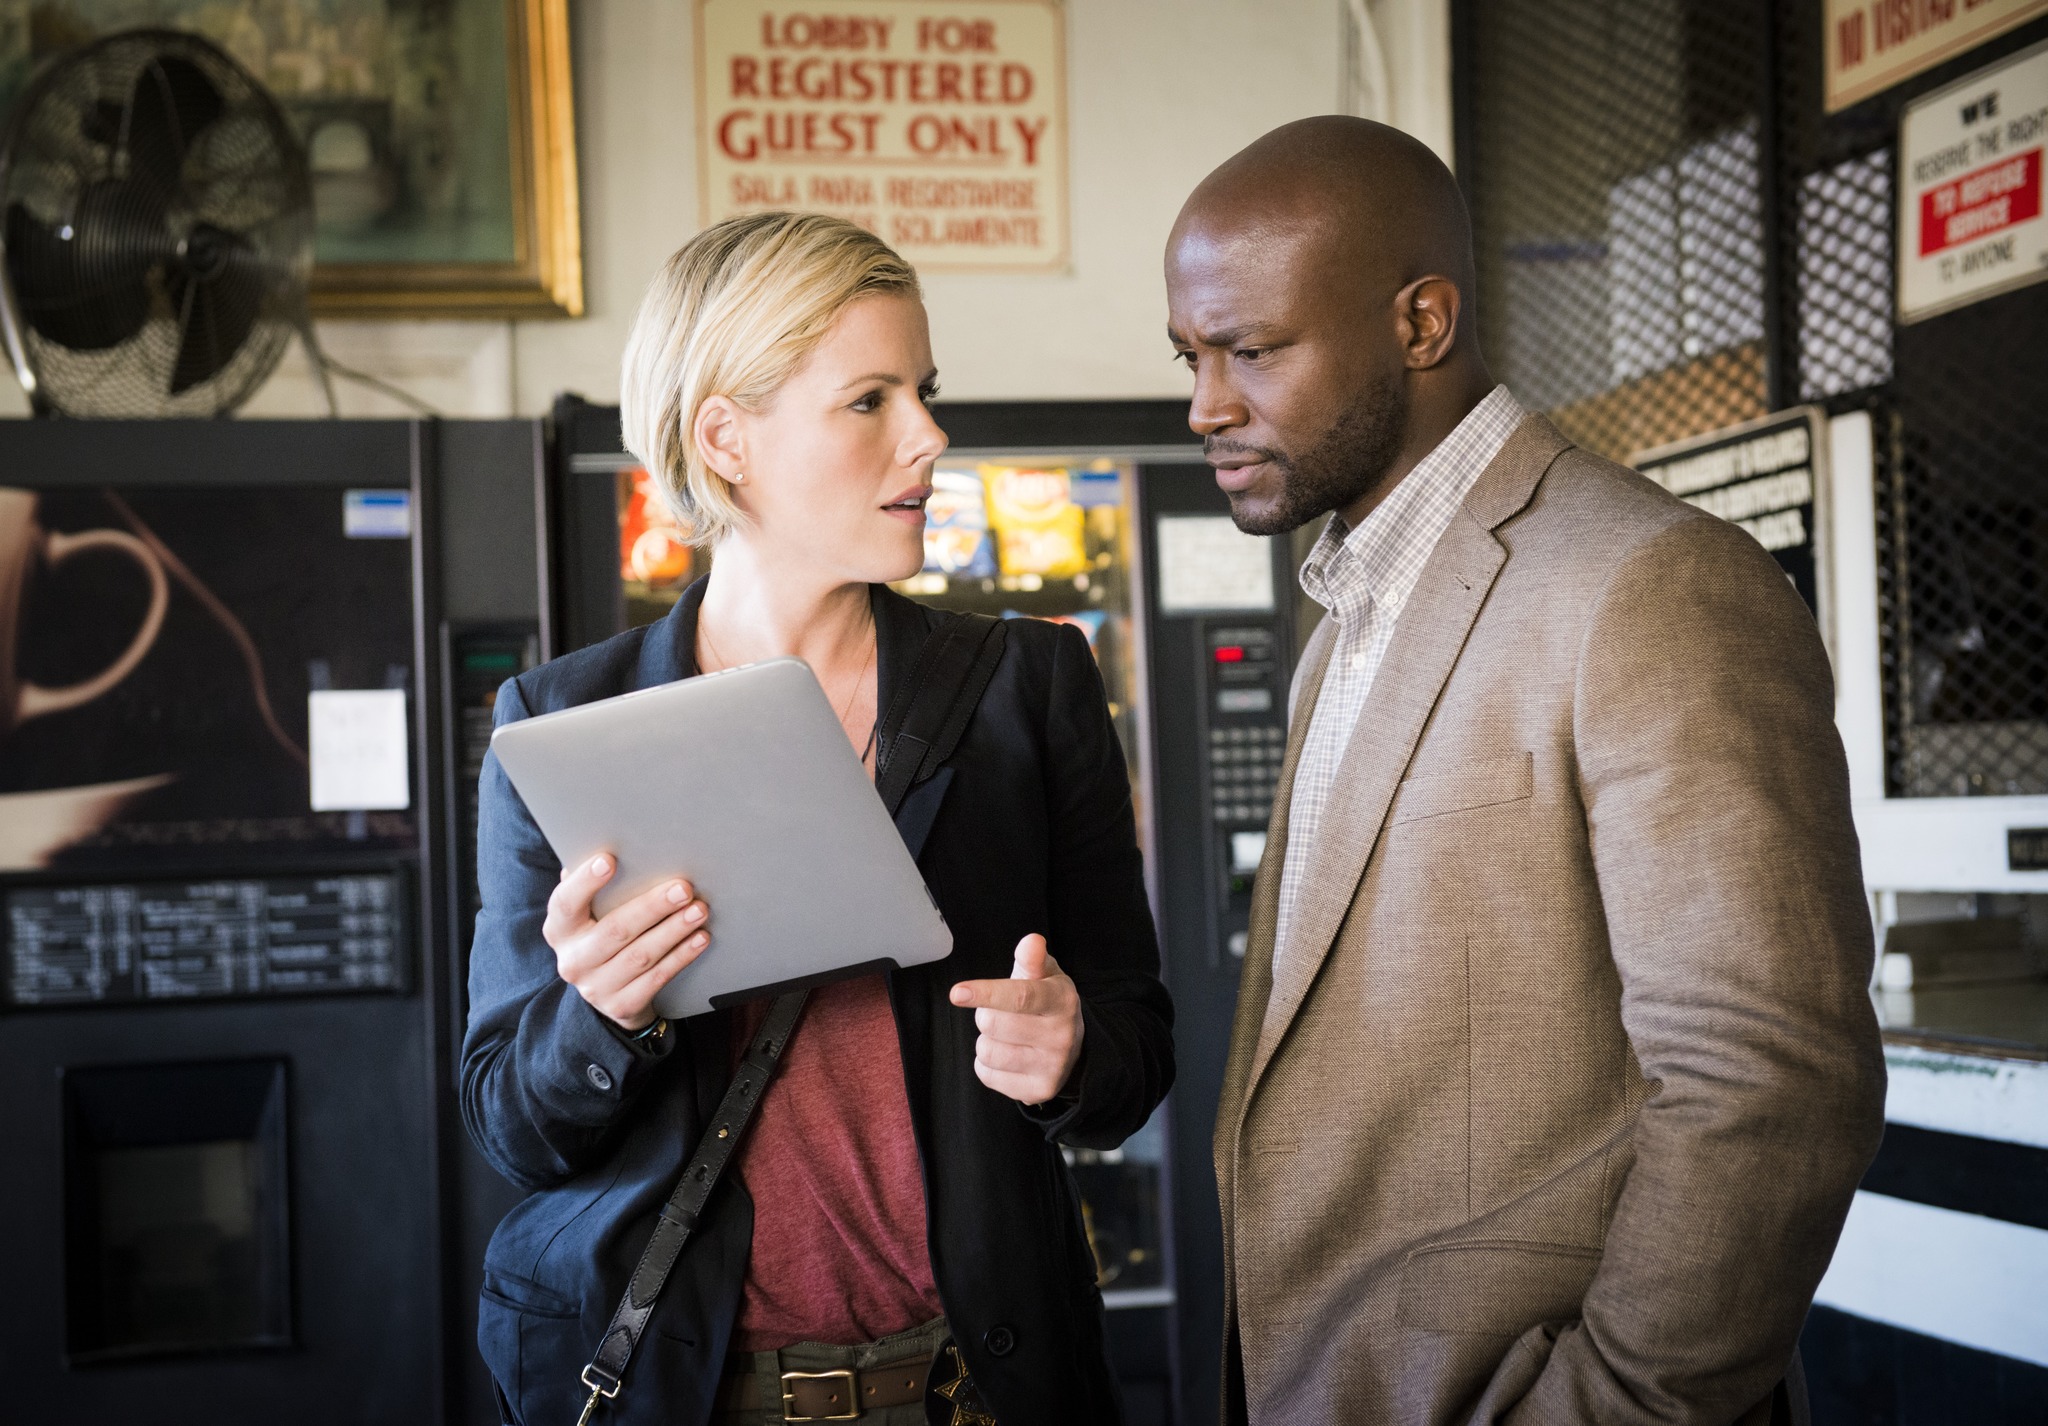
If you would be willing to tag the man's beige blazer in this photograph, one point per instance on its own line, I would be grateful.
(1554, 1108)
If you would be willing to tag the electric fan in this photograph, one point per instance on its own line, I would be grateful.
(158, 232)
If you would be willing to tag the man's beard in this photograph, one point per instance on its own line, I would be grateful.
(1344, 464)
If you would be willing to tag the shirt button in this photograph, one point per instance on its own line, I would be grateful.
(1358, 662)
(1000, 1340)
(599, 1077)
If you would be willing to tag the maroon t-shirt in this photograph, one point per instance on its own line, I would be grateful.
(839, 1225)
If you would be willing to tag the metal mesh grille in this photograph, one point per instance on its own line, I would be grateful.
(1959, 404)
(1614, 162)
(1672, 237)
(1845, 276)
(1963, 550)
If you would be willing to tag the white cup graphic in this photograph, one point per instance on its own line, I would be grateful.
(23, 546)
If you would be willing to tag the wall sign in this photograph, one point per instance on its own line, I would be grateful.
(1873, 44)
(1770, 477)
(1970, 219)
(940, 126)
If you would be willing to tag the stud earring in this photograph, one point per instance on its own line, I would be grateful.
(739, 477)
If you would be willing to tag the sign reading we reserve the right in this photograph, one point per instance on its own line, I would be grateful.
(1970, 160)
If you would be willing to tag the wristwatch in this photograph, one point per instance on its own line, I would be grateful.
(652, 1036)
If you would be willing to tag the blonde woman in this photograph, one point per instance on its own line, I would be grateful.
(900, 1234)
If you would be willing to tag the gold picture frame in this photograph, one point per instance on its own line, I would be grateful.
(419, 210)
(545, 276)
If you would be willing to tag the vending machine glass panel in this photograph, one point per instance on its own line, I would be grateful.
(1028, 537)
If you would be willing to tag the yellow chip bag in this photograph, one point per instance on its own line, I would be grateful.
(1038, 526)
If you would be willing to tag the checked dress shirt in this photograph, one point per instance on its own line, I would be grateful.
(1363, 577)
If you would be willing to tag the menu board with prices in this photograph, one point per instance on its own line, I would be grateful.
(199, 940)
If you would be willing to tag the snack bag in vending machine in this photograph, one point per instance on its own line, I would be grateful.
(1039, 529)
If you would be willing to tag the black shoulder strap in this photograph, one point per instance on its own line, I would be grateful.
(923, 726)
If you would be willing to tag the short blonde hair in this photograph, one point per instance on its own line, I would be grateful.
(732, 314)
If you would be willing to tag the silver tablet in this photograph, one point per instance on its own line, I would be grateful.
(743, 783)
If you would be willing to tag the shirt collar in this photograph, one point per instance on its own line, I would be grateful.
(1378, 562)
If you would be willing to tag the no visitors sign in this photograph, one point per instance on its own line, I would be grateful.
(940, 126)
(1970, 170)
(1870, 45)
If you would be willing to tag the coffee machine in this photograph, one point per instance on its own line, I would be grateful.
(240, 671)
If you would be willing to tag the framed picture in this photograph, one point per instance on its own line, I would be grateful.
(440, 132)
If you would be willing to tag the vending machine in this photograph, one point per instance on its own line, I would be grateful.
(1102, 515)
(236, 1188)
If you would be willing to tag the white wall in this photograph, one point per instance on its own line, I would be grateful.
(1160, 91)
(1415, 35)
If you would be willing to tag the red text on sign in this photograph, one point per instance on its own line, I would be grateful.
(1898, 21)
(862, 81)
(828, 32)
(749, 133)
(1982, 202)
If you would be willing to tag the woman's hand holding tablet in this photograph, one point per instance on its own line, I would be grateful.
(619, 963)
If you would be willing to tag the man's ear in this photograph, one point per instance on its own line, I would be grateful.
(1427, 310)
(720, 443)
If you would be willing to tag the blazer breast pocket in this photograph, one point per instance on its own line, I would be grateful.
(1488, 782)
(1495, 1288)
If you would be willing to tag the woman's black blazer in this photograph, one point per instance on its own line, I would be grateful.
(1028, 827)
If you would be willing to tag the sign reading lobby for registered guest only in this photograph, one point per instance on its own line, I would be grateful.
(940, 126)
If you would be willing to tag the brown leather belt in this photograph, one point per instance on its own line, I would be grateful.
(828, 1396)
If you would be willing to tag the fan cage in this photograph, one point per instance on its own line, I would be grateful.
(245, 173)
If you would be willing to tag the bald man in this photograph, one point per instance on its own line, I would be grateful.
(1554, 1067)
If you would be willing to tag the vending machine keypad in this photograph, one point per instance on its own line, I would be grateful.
(1244, 770)
(1244, 713)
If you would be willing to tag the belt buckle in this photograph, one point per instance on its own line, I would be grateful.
(789, 1397)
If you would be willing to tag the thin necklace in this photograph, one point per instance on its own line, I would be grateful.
(704, 635)
(859, 679)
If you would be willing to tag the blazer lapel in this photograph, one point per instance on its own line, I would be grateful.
(1430, 635)
(901, 627)
(669, 650)
(1432, 629)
